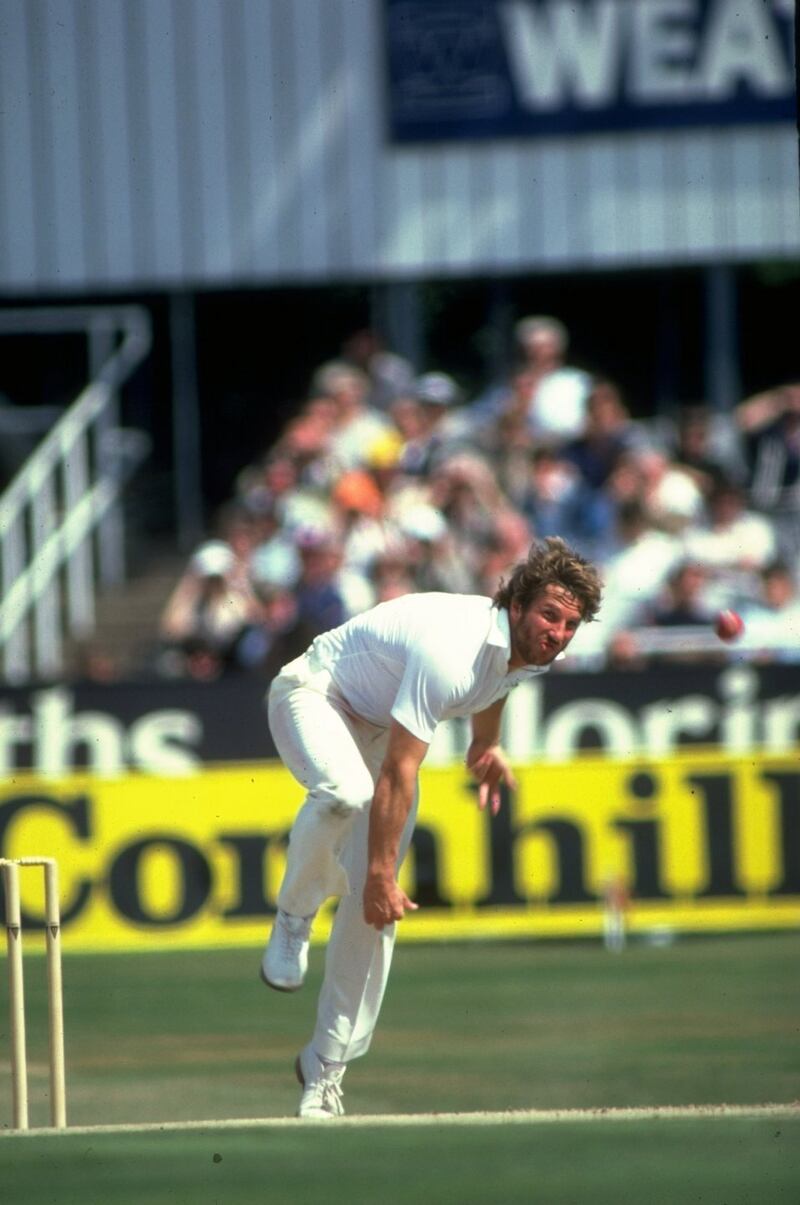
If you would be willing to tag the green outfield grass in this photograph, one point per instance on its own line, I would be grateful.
(174, 1037)
(718, 1161)
(196, 1035)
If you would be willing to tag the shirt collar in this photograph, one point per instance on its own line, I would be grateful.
(499, 632)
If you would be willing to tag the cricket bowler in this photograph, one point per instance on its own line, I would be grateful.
(352, 719)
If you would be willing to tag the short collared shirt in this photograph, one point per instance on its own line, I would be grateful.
(420, 659)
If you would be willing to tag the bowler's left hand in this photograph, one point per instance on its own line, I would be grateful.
(489, 766)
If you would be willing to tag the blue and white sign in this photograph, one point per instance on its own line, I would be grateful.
(464, 69)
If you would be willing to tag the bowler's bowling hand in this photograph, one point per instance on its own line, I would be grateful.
(490, 768)
(385, 901)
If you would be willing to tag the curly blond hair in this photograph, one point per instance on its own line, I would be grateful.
(552, 562)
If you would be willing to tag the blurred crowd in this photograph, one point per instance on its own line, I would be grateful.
(387, 482)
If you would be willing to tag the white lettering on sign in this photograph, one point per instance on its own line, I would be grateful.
(563, 51)
(646, 51)
(742, 46)
(662, 48)
(159, 742)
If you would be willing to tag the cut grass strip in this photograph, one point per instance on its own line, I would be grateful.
(659, 1159)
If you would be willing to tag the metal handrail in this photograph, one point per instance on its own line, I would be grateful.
(63, 495)
(701, 640)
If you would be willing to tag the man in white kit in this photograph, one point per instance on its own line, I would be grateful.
(353, 719)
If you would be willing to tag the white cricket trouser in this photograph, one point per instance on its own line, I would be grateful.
(336, 756)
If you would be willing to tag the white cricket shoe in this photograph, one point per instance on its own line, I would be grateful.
(322, 1091)
(285, 960)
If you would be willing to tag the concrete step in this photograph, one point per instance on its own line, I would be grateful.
(127, 619)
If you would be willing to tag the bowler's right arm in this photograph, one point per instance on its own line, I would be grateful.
(384, 899)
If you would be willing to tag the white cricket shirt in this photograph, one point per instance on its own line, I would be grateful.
(420, 659)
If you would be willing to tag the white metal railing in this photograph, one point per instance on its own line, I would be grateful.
(757, 642)
(60, 521)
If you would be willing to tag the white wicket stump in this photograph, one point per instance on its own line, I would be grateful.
(16, 990)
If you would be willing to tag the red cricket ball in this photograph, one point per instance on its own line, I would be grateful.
(729, 625)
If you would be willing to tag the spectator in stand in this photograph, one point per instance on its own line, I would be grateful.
(431, 552)
(306, 441)
(673, 500)
(367, 532)
(770, 425)
(276, 562)
(626, 481)
(465, 490)
(320, 599)
(511, 537)
(383, 460)
(275, 545)
(322, 411)
(391, 574)
(508, 401)
(357, 424)
(242, 530)
(295, 502)
(327, 593)
(398, 491)
(697, 453)
(498, 425)
(276, 633)
(683, 604)
(390, 376)
(772, 623)
(435, 394)
(557, 403)
(735, 543)
(557, 501)
(609, 432)
(205, 616)
(669, 495)
(634, 572)
(407, 418)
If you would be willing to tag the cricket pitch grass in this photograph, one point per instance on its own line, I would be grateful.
(515, 1072)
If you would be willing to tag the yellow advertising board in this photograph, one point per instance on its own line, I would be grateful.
(698, 841)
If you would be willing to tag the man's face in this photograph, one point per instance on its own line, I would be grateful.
(544, 347)
(544, 629)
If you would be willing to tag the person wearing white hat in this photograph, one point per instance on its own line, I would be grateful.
(205, 614)
(431, 552)
(352, 719)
